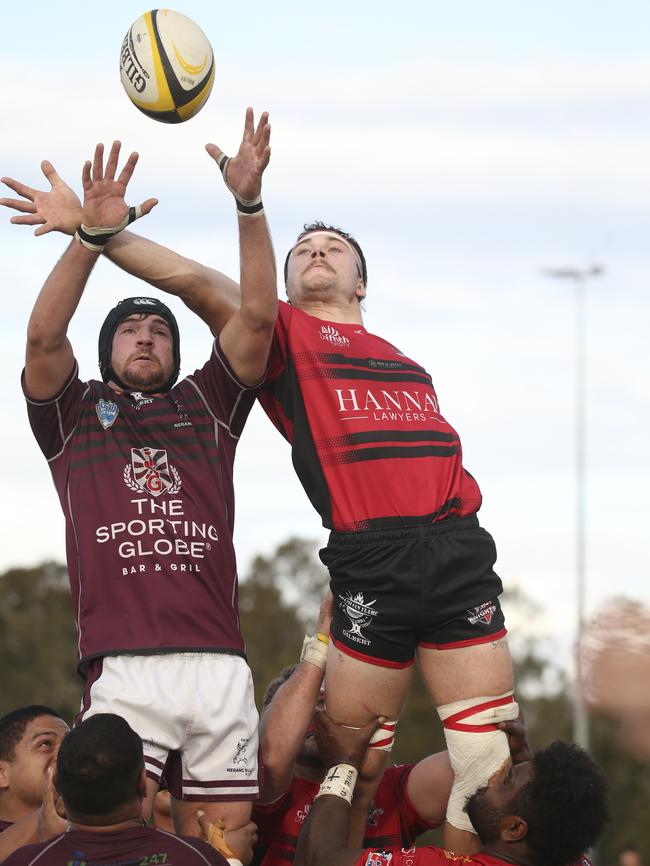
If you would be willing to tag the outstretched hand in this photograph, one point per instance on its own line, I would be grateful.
(104, 203)
(243, 173)
(340, 744)
(58, 210)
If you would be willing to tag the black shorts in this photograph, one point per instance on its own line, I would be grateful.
(431, 586)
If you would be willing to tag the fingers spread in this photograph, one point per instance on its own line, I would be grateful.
(215, 152)
(86, 182)
(18, 187)
(148, 206)
(111, 162)
(50, 172)
(98, 162)
(31, 220)
(129, 166)
(18, 204)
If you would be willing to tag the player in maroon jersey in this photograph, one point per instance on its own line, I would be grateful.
(411, 569)
(143, 469)
(102, 780)
(544, 812)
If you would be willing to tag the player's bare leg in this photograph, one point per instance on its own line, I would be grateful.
(235, 817)
(147, 804)
(479, 671)
(354, 692)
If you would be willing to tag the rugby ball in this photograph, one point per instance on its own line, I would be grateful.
(166, 66)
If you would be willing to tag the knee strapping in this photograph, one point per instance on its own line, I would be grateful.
(384, 736)
(477, 748)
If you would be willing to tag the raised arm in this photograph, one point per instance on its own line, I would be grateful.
(49, 357)
(246, 338)
(285, 722)
(210, 294)
(323, 839)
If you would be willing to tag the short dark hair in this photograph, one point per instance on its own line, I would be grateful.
(277, 681)
(564, 805)
(98, 765)
(319, 226)
(13, 724)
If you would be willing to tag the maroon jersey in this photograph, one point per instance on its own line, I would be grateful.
(392, 819)
(368, 441)
(146, 487)
(128, 847)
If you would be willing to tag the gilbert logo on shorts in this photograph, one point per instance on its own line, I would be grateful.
(331, 335)
(481, 614)
(151, 471)
(360, 613)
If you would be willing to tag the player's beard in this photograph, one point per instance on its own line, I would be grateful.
(483, 815)
(145, 380)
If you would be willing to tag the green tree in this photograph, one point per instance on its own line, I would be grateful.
(38, 640)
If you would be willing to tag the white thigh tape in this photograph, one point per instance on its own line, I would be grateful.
(477, 748)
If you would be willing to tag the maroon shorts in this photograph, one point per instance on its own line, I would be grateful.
(432, 586)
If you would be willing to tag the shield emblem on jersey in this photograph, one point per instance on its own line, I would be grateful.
(106, 412)
(151, 471)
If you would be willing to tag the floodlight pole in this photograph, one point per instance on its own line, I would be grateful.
(579, 277)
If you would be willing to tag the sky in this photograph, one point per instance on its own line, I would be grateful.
(469, 147)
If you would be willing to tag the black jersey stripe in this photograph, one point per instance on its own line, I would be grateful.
(310, 358)
(388, 452)
(371, 376)
(386, 436)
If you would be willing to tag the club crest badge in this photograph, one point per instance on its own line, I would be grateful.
(150, 471)
(361, 614)
(107, 412)
(482, 614)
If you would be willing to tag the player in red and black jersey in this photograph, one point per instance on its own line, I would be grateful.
(411, 569)
(547, 811)
(143, 469)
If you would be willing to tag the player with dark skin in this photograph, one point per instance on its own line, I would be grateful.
(29, 741)
(543, 812)
(101, 778)
(291, 752)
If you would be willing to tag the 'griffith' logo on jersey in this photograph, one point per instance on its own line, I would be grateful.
(483, 613)
(331, 335)
(360, 613)
(151, 471)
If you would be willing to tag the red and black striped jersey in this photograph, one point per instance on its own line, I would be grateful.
(392, 819)
(368, 441)
(145, 483)
(427, 856)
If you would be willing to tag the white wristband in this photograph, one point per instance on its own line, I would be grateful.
(339, 781)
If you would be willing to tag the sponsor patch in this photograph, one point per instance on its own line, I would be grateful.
(330, 334)
(107, 411)
(481, 614)
(379, 858)
(360, 613)
(151, 471)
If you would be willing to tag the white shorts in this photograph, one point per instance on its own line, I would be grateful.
(198, 704)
